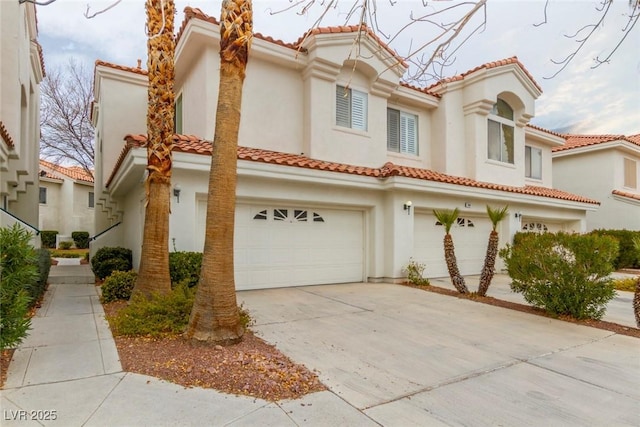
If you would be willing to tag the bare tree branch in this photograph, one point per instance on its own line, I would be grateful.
(93, 15)
(66, 130)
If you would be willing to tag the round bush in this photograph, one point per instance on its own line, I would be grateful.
(109, 259)
(118, 286)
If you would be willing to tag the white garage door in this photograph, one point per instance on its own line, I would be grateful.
(277, 246)
(470, 237)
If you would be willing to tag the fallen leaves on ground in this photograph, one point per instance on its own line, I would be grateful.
(252, 367)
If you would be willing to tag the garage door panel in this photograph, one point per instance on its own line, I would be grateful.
(469, 238)
(289, 246)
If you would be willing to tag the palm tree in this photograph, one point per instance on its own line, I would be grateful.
(447, 218)
(215, 315)
(153, 276)
(488, 269)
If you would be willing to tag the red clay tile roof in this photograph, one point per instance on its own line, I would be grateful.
(136, 70)
(488, 65)
(192, 144)
(74, 172)
(577, 141)
(193, 12)
(190, 13)
(634, 196)
(4, 133)
(550, 132)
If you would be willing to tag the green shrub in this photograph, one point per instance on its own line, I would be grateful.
(627, 284)
(159, 315)
(18, 272)
(185, 265)
(36, 289)
(48, 238)
(414, 272)
(565, 274)
(81, 239)
(627, 256)
(65, 254)
(118, 286)
(109, 259)
(65, 246)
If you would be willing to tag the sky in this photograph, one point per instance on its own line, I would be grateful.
(580, 99)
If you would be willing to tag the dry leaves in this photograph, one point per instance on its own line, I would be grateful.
(252, 367)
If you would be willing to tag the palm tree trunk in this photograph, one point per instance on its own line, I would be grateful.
(452, 265)
(488, 268)
(215, 316)
(153, 275)
(636, 302)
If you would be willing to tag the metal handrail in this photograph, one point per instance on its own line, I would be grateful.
(20, 220)
(92, 238)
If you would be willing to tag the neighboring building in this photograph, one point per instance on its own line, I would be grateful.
(331, 153)
(21, 71)
(66, 199)
(605, 168)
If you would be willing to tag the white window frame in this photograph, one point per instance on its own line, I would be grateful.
(178, 124)
(351, 108)
(404, 138)
(630, 170)
(529, 169)
(501, 152)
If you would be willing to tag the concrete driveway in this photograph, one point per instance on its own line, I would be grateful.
(402, 356)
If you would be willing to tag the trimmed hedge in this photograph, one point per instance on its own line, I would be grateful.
(627, 254)
(185, 266)
(118, 286)
(81, 239)
(110, 259)
(48, 238)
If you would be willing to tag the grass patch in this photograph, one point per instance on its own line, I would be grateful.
(68, 253)
(628, 284)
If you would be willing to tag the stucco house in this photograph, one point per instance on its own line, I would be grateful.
(340, 164)
(605, 168)
(21, 71)
(66, 199)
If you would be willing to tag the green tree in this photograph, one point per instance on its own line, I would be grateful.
(488, 269)
(447, 218)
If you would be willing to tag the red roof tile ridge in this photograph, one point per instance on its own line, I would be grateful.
(192, 12)
(136, 70)
(577, 140)
(529, 125)
(488, 65)
(4, 133)
(420, 89)
(74, 172)
(199, 146)
(628, 195)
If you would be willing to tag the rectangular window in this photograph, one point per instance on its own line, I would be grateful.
(402, 132)
(351, 108)
(500, 142)
(91, 199)
(43, 195)
(532, 162)
(178, 115)
(630, 173)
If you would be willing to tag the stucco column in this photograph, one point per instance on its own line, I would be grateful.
(399, 236)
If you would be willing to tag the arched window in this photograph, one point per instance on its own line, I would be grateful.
(535, 227)
(500, 133)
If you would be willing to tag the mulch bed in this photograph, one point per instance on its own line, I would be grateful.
(252, 367)
(600, 324)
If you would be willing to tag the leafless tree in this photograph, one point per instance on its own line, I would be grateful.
(66, 130)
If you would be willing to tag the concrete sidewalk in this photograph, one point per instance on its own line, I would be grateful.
(391, 355)
(67, 373)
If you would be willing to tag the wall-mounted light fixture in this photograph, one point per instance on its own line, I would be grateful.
(407, 206)
(518, 214)
(176, 192)
(467, 205)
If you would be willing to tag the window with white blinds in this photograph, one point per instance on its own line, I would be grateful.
(402, 132)
(351, 108)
